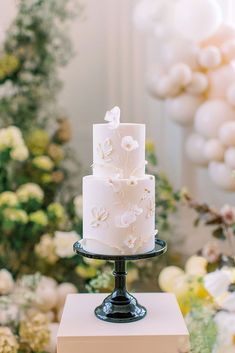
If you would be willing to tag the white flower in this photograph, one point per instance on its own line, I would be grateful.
(130, 241)
(6, 282)
(105, 149)
(129, 144)
(132, 181)
(211, 251)
(64, 243)
(228, 214)
(229, 303)
(9, 311)
(99, 216)
(137, 210)
(20, 153)
(78, 204)
(150, 208)
(226, 328)
(217, 282)
(30, 191)
(115, 183)
(126, 219)
(113, 118)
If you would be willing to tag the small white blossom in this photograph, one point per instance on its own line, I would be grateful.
(129, 144)
(132, 181)
(228, 214)
(130, 241)
(113, 118)
(6, 282)
(115, 183)
(64, 243)
(99, 216)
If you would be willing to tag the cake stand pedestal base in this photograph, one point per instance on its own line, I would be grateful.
(120, 306)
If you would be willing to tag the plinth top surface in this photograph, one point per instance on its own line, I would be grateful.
(163, 318)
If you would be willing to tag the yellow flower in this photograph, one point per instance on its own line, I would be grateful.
(45, 249)
(8, 341)
(30, 191)
(56, 212)
(44, 163)
(8, 65)
(86, 272)
(34, 331)
(9, 199)
(13, 215)
(149, 146)
(94, 262)
(37, 141)
(39, 217)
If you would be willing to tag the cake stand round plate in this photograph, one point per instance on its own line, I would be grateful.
(120, 306)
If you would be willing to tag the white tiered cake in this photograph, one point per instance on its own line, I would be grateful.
(119, 198)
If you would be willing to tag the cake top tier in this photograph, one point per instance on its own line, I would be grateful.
(118, 148)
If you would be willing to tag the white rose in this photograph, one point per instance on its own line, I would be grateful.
(217, 282)
(64, 243)
(6, 282)
(78, 204)
(20, 153)
(129, 144)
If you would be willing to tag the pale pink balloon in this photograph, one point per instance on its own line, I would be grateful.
(214, 150)
(209, 58)
(220, 80)
(222, 176)
(181, 74)
(182, 108)
(230, 94)
(228, 50)
(227, 134)
(195, 146)
(224, 33)
(211, 116)
(198, 84)
(230, 157)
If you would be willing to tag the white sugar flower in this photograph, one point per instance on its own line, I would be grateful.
(20, 153)
(217, 282)
(105, 149)
(150, 208)
(99, 216)
(113, 118)
(6, 282)
(136, 210)
(64, 243)
(126, 219)
(132, 181)
(78, 204)
(228, 214)
(115, 183)
(130, 241)
(129, 144)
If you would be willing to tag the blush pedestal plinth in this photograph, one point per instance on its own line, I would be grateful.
(163, 330)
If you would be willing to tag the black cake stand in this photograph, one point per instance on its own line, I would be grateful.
(120, 306)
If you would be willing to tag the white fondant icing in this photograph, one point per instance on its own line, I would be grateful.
(128, 161)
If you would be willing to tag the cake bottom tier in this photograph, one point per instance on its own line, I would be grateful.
(118, 215)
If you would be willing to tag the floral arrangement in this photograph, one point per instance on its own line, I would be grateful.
(30, 310)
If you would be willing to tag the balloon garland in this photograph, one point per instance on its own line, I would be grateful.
(195, 77)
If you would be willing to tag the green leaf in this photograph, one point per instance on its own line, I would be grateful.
(218, 233)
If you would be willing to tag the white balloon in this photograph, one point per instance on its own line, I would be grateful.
(220, 80)
(227, 134)
(211, 116)
(229, 157)
(197, 19)
(228, 50)
(195, 146)
(178, 50)
(209, 58)
(230, 95)
(181, 74)
(182, 108)
(222, 176)
(198, 84)
(214, 150)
